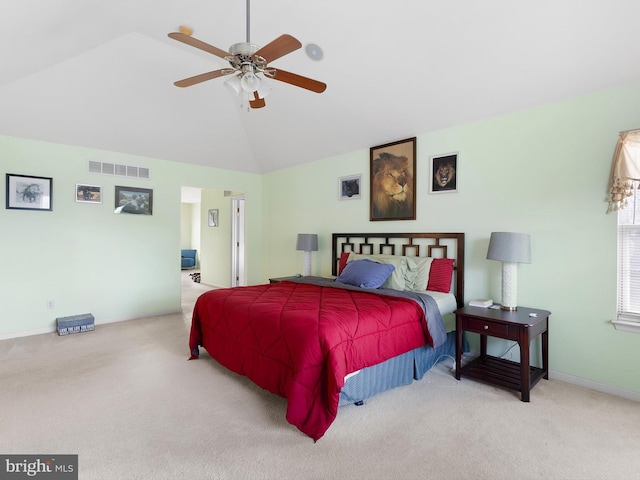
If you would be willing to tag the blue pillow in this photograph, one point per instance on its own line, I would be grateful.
(365, 273)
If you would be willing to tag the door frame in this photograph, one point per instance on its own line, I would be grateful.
(238, 243)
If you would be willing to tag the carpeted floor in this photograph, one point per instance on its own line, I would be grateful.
(127, 401)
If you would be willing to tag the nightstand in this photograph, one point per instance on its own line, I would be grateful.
(522, 326)
(282, 279)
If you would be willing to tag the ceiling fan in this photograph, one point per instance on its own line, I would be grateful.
(248, 63)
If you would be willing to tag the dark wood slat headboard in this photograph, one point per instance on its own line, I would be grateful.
(438, 245)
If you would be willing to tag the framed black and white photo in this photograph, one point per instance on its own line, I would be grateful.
(88, 193)
(393, 182)
(134, 200)
(26, 192)
(349, 187)
(444, 173)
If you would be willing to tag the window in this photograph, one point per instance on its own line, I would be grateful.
(624, 198)
(628, 317)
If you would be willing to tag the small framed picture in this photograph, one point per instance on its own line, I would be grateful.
(134, 200)
(25, 192)
(88, 193)
(444, 173)
(214, 213)
(349, 187)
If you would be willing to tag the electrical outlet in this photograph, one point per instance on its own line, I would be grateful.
(50, 304)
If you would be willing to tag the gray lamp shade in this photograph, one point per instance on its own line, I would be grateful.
(510, 247)
(307, 242)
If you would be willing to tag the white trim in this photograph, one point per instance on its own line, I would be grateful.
(626, 326)
(126, 319)
(213, 285)
(26, 333)
(238, 241)
(52, 329)
(600, 387)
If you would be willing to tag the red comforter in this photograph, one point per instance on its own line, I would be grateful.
(300, 340)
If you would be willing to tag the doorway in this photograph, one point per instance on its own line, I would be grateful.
(221, 247)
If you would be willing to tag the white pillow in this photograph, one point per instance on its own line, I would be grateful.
(424, 267)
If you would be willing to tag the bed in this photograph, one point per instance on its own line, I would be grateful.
(324, 342)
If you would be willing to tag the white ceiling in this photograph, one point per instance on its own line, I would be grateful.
(100, 74)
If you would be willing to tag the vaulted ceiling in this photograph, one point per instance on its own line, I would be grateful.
(100, 74)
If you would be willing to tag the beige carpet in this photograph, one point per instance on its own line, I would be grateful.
(127, 401)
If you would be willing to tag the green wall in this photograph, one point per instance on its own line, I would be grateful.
(86, 259)
(190, 227)
(216, 263)
(542, 171)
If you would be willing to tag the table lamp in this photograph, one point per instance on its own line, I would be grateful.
(307, 242)
(509, 248)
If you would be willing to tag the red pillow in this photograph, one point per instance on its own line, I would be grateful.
(344, 256)
(440, 275)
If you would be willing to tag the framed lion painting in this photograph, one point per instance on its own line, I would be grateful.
(393, 182)
(444, 169)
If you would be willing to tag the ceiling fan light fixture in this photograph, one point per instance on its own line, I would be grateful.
(233, 84)
(249, 82)
(264, 88)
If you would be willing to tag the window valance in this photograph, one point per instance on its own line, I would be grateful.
(625, 169)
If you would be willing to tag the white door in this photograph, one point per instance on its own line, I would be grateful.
(237, 242)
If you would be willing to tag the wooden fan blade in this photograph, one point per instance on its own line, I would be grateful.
(299, 81)
(279, 47)
(203, 77)
(194, 42)
(257, 102)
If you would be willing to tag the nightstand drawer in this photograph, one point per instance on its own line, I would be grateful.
(486, 328)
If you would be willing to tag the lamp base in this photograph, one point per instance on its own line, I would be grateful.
(306, 264)
(509, 286)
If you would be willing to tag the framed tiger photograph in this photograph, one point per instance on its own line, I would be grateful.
(444, 173)
(393, 181)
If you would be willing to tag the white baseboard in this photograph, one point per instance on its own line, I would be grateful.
(135, 317)
(600, 387)
(26, 333)
(52, 329)
(212, 285)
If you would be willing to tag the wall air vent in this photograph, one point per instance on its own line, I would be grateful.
(121, 170)
(117, 169)
(95, 167)
(108, 169)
